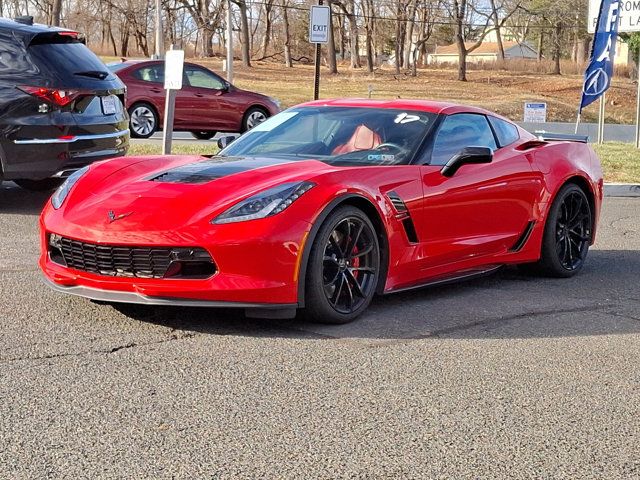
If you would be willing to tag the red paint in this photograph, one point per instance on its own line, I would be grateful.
(467, 221)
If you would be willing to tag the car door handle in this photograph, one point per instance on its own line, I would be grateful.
(156, 90)
(199, 95)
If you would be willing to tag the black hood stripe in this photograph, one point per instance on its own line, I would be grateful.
(207, 170)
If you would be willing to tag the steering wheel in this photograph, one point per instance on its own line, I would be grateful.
(390, 146)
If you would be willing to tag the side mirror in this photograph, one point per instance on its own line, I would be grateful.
(466, 156)
(226, 87)
(225, 141)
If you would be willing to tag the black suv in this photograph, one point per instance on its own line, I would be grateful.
(60, 107)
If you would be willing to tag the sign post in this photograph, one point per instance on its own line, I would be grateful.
(229, 43)
(173, 67)
(319, 25)
(638, 105)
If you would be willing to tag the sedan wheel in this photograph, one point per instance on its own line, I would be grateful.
(142, 121)
(567, 234)
(344, 268)
(254, 117)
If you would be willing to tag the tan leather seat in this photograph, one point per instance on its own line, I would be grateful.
(363, 138)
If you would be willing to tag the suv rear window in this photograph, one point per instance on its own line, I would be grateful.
(64, 61)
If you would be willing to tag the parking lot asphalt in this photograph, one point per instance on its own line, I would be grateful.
(510, 376)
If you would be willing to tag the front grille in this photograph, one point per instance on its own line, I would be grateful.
(140, 262)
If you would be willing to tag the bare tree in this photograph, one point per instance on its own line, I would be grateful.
(349, 9)
(244, 32)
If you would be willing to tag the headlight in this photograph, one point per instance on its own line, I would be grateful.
(61, 193)
(276, 102)
(265, 204)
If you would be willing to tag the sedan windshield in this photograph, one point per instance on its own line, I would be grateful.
(337, 135)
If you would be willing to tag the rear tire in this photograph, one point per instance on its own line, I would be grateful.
(143, 120)
(567, 234)
(44, 185)
(344, 267)
(203, 135)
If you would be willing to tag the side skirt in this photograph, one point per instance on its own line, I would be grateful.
(457, 277)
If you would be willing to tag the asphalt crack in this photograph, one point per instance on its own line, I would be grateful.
(107, 351)
(439, 333)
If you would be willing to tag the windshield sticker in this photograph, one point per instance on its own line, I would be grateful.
(381, 158)
(406, 118)
(274, 122)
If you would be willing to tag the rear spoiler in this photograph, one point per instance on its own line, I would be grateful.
(561, 137)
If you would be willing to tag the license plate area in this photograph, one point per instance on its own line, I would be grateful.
(109, 104)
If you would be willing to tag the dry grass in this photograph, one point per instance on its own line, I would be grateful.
(502, 91)
(620, 161)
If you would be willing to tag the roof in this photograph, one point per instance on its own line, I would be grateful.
(486, 48)
(28, 32)
(403, 104)
(6, 23)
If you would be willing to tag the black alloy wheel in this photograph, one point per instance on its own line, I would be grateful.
(568, 233)
(344, 267)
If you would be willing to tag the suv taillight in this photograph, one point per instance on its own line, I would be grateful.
(55, 96)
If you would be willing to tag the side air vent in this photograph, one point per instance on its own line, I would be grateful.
(524, 236)
(410, 230)
(402, 214)
(397, 202)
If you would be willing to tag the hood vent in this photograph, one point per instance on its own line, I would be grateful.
(209, 170)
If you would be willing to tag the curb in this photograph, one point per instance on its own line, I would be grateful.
(621, 190)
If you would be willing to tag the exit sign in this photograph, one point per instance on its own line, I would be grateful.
(319, 24)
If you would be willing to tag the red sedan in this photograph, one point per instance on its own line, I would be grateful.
(323, 206)
(205, 105)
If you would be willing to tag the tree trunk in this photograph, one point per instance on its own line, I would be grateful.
(540, 45)
(399, 38)
(353, 41)
(244, 33)
(369, 42)
(462, 49)
(331, 47)
(287, 36)
(557, 48)
(207, 40)
(55, 12)
(408, 57)
(496, 22)
(267, 28)
(113, 41)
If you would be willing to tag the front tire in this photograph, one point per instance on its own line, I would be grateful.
(143, 120)
(253, 117)
(44, 185)
(344, 268)
(567, 233)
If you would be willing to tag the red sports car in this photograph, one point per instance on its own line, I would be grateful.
(205, 105)
(323, 206)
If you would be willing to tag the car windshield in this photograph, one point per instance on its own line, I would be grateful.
(337, 135)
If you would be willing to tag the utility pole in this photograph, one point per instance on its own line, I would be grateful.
(159, 53)
(229, 43)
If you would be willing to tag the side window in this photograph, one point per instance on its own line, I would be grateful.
(152, 73)
(201, 78)
(506, 132)
(458, 131)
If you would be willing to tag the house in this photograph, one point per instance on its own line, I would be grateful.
(486, 52)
